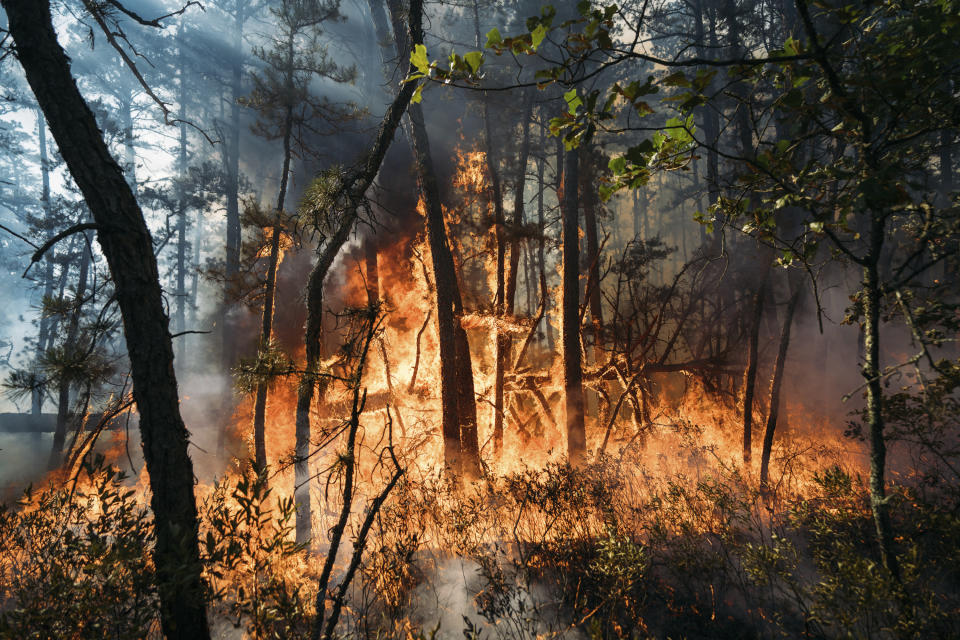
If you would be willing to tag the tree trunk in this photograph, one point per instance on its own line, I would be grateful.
(570, 312)
(777, 382)
(750, 374)
(180, 319)
(130, 153)
(456, 388)
(872, 376)
(504, 342)
(231, 166)
(270, 286)
(353, 190)
(71, 351)
(459, 409)
(128, 249)
(36, 397)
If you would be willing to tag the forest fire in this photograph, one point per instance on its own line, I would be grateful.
(537, 322)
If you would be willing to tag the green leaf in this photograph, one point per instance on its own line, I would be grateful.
(677, 79)
(618, 165)
(493, 38)
(573, 101)
(790, 47)
(474, 59)
(419, 59)
(417, 95)
(537, 36)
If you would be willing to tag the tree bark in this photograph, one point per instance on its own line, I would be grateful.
(872, 375)
(180, 318)
(352, 193)
(459, 409)
(128, 249)
(36, 397)
(750, 373)
(270, 286)
(570, 312)
(70, 349)
(777, 382)
(504, 341)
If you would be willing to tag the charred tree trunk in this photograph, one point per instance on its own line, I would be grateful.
(127, 246)
(711, 118)
(373, 272)
(351, 194)
(570, 312)
(461, 449)
(270, 286)
(180, 319)
(777, 382)
(750, 374)
(130, 153)
(71, 350)
(231, 166)
(459, 409)
(591, 204)
(504, 342)
(36, 397)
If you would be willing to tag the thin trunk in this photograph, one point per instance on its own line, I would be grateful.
(872, 376)
(231, 162)
(590, 205)
(180, 317)
(36, 397)
(776, 384)
(373, 273)
(71, 350)
(270, 286)
(128, 249)
(353, 189)
(504, 342)
(459, 409)
(750, 374)
(570, 323)
(232, 170)
(130, 152)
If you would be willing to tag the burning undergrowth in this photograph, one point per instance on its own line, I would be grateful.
(641, 543)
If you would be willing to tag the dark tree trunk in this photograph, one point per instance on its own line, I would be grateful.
(459, 409)
(777, 382)
(128, 249)
(570, 312)
(750, 373)
(504, 342)
(353, 190)
(130, 153)
(36, 397)
(459, 426)
(71, 349)
(872, 375)
(180, 319)
(270, 286)
(231, 166)
(231, 159)
(591, 204)
(373, 273)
